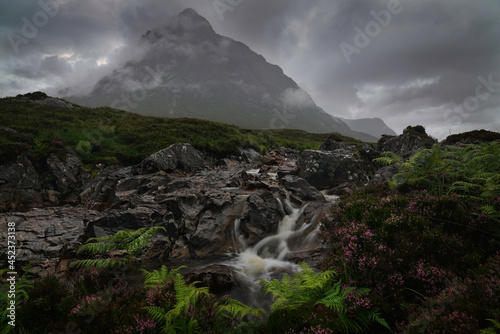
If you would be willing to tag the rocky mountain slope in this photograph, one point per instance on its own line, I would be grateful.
(186, 69)
(372, 126)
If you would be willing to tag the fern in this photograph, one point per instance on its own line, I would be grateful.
(23, 286)
(308, 287)
(491, 330)
(388, 158)
(234, 309)
(175, 320)
(129, 242)
(291, 293)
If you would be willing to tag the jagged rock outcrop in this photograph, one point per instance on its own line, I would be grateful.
(69, 176)
(47, 237)
(183, 157)
(413, 139)
(20, 187)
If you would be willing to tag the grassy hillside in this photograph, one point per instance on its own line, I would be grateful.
(110, 136)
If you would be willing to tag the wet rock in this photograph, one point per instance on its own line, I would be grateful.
(114, 220)
(99, 194)
(46, 236)
(183, 157)
(249, 154)
(413, 139)
(328, 169)
(218, 278)
(301, 188)
(342, 189)
(20, 187)
(261, 216)
(69, 176)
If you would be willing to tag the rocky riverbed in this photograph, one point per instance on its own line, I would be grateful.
(211, 209)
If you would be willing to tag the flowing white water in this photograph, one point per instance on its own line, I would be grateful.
(266, 259)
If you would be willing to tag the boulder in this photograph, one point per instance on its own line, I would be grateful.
(301, 188)
(20, 187)
(249, 154)
(413, 139)
(46, 236)
(260, 217)
(328, 169)
(182, 157)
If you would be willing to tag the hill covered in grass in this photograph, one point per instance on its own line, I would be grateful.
(37, 125)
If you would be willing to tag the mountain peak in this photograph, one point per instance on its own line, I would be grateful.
(189, 12)
(187, 22)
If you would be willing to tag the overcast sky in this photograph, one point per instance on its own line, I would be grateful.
(428, 62)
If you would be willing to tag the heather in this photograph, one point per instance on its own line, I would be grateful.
(426, 243)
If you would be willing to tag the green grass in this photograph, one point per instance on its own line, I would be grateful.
(110, 136)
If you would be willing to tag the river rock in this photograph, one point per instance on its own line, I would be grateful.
(301, 188)
(219, 278)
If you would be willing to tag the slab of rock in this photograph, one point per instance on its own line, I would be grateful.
(46, 236)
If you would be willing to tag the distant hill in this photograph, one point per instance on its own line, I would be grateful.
(185, 69)
(372, 126)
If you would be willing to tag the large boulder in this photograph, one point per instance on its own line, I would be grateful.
(260, 217)
(47, 237)
(301, 188)
(183, 157)
(328, 169)
(413, 139)
(20, 187)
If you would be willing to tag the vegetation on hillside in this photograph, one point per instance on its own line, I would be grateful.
(110, 136)
(427, 243)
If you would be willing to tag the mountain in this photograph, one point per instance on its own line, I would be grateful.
(372, 126)
(186, 69)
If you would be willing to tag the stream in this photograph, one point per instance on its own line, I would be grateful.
(267, 259)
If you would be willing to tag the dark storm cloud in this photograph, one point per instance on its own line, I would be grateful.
(422, 67)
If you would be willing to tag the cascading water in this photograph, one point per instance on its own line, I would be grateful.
(267, 258)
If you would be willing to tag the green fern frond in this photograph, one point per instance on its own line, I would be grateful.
(159, 277)
(98, 263)
(388, 158)
(235, 309)
(96, 247)
(140, 240)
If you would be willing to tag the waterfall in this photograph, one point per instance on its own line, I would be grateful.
(266, 259)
